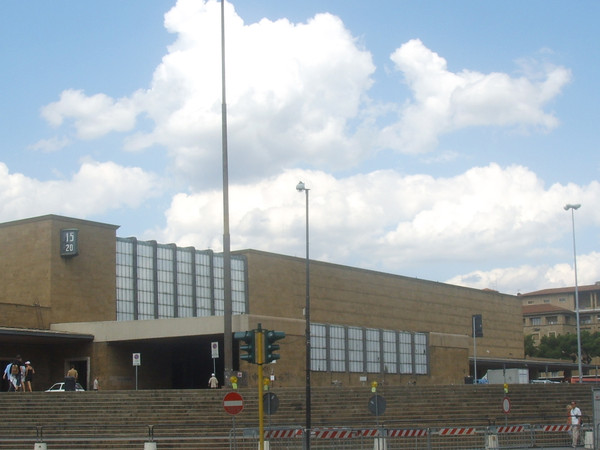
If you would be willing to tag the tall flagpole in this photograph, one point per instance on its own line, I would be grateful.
(227, 302)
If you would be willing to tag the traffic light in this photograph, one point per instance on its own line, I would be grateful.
(477, 326)
(270, 346)
(249, 346)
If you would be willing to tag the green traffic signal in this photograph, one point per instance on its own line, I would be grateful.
(249, 346)
(270, 346)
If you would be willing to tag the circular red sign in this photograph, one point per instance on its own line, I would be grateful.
(506, 405)
(233, 403)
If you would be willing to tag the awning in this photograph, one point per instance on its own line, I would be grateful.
(36, 336)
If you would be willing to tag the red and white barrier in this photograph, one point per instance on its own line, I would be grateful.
(370, 432)
(511, 429)
(556, 427)
(407, 433)
(283, 434)
(456, 431)
(334, 433)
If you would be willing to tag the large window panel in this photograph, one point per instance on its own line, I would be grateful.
(164, 281)
(390, 351)
(356, 357)
(373, 339)
(337, 348)
(318, 347)
(421, 359)
(406, 351)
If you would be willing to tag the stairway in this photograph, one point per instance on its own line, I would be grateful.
(192, 419)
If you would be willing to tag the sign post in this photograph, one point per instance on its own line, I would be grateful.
(233, 403)
(137, 362)
(214, 349)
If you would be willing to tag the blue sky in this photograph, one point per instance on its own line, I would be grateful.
(439, 139)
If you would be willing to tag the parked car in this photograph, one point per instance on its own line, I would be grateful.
(60, 387)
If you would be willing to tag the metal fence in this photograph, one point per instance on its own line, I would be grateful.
(376, 438)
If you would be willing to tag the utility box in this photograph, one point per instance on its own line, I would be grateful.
(508, 376)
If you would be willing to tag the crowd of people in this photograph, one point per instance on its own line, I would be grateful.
(19, 375)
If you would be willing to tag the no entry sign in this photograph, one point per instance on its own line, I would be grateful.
(233, 403)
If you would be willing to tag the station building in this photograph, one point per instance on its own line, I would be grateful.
(141, 314)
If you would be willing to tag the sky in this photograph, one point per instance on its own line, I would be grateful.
(438, 140)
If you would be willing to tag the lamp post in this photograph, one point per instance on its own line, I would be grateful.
(579, 368)
(302, 187)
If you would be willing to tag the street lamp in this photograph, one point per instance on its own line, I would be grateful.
(302, 187)
(573, 208)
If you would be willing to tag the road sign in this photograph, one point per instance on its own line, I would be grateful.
(214, 348)
(506, 405)
(271, 402)
(377, 405)
(137, 359)
(233, 403)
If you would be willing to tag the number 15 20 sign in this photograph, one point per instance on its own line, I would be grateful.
(69, 242)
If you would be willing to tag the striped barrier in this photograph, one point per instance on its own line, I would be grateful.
(511, 429)
(335, 433)
(456, 431)
(408, 433)
(552, 428)
(370, 432)
(283, 433)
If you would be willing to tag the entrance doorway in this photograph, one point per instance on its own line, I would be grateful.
(81, 365)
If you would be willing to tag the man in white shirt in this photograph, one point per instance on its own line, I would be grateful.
(575, 422)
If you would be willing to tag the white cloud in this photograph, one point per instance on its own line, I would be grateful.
(528, 278)
(93, 116)
(444, 101)
(94, 189)
(397, 222)
(50, 145)
(297, 95)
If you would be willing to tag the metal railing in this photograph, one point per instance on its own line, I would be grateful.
(291, 437)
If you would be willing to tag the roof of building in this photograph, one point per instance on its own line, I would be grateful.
(545, 309)
(563, 290)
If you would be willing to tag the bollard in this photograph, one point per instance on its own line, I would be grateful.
(149, 445)
(40, 446)
(379, 443)
(491, 441)
(589, 439)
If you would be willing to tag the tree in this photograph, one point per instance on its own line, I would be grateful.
(564, 346)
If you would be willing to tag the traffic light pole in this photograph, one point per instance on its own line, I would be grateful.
(260, 358)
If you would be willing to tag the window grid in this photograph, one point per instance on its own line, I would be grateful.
(338, 348)
(355, 349)
(318, 347)
(166, 285)
(185, 289)
(390, 351)
(373, 339)
(164, 281)
(125, 286)
(421, 359)
(145, 269)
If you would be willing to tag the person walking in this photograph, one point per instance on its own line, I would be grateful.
(213, 383)
(29, 371)
(575, 423)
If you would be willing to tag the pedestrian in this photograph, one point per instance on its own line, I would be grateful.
(12, 373)
(213, 382)
(72, 372)
(575, 423)
(96, 384)
(29, 371)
